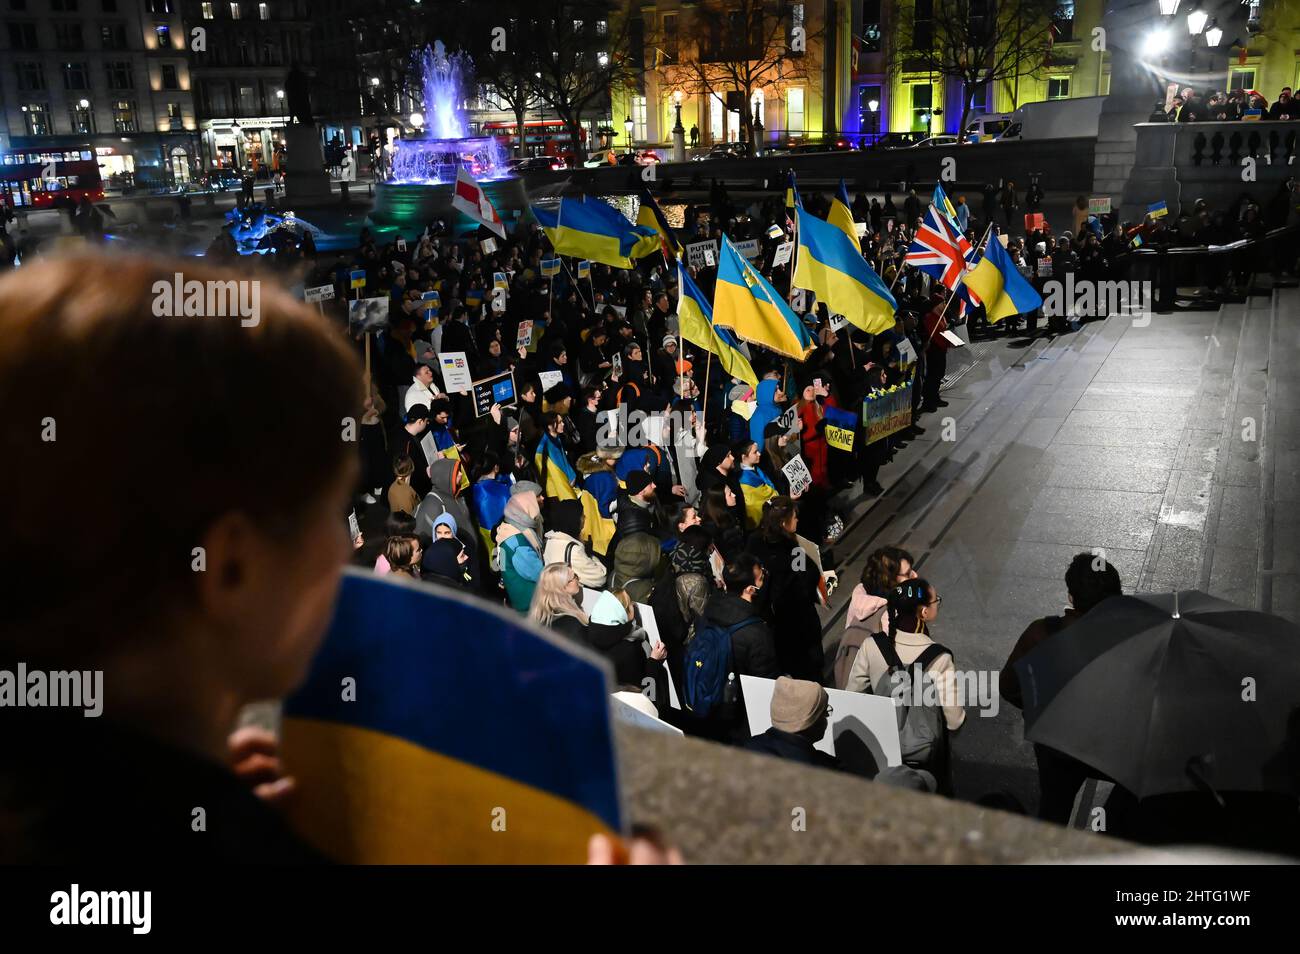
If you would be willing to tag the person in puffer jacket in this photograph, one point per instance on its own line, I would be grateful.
(868, 611)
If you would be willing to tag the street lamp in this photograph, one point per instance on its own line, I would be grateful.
(679, 131)
(873, 105)
(1168, 7)
(627, 127)
(417, 120)
(1196, 21)
(1213, 34)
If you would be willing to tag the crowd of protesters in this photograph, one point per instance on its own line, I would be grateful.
(1191, 105)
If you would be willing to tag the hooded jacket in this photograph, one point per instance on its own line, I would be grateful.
(867, 615)
(636, 565)
(767, 410)
(443, 498)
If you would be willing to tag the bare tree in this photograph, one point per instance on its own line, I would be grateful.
(972, 42)
(739, 46)
(584, 50)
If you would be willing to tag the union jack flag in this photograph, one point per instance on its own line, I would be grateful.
(937, 249)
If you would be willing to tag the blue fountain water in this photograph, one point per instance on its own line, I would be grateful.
(442, 77)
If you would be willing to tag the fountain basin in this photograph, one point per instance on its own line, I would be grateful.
(413, 205)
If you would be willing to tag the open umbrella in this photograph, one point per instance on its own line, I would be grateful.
(1171, 693)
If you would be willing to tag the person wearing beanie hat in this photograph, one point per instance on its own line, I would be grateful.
(800, 710)
(529, 487)
(638, 482)
(637, 510)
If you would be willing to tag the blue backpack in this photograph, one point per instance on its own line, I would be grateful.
(708, 679)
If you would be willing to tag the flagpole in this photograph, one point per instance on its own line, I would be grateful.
(708, 366)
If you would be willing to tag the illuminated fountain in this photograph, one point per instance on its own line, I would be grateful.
(422, 168)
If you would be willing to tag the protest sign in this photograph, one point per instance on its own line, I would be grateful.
(1099, 205)
(624, 712)
(358, 278)
(430, 447)
(862, 731)
(455, 371)
(498, 389)
(651, 625)
(616, 364)
(1044, 268)
(860, 228)
(838, 321)
(796, 471)
(789, 419)
(317, 294)
(702, 254)
(1035, 220)
(367, 315)
(354, 526)
(887, 411)
(906, 353)
(775, 232)
(782, 254)
(401, 245)
(749, 248)
(499, 280)
(489, 245)
(841, 426)
(952, 339)
(1158, 210)
(524, 336)
(550, 379)
(397, 773)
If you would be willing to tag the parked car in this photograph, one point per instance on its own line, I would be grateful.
(937, 141)
(641, 157)
(987, 127)
(537, 164)
(729, 150)
(898, 140)
(833, 144)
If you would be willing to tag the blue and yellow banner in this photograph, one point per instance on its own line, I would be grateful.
(358, 278)
(557, 474)
(841, 216)
(695, 318)
(586, 227)
(1000, 286)
(418, 744)
(887, 411)
(746, 303)
(832, 266)
(841, 426)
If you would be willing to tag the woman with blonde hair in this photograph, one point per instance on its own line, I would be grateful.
(555, 602)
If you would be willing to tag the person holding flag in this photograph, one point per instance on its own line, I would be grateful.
(936, 249)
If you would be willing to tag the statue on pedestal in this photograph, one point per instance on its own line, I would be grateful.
(297, 91)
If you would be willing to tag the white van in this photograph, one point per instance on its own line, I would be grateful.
(986, 126)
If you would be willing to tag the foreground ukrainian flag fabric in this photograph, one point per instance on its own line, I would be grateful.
(586, 227)
(695, 318)
(832, 267)
(744, 302)
(558, 474)
(841, 216)
(1000, 286)
(436, 728)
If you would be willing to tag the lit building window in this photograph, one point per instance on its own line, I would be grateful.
(794, 110)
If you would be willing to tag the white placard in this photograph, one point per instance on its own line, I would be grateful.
(782, 253)
(624, 712)
(354, 527)
(319, 293)
(455, 371)
(489, 245)
(702, 254)
(430, 448)
(906, 353)
(550, 379)
(788, 418)
(1044, 267)
(862, 731)
(838, 321)
(796, 471)
(750, 248)
(652, 630)
(524, 336)
(860, 228)
(952, 339)
(401, 245)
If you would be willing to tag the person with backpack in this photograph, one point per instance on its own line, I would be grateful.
(730, 640)
(564, 544)
(900, 663)
(868, 611)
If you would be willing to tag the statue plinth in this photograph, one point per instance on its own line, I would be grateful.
(305, 180)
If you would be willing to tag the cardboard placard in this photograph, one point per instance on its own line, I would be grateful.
(584, 269)
(499, 280)
(550, 379)
(455, 371)
(782, 254)
(367, 315)
(789, 419)
(952, 339)
(499, 389)
(524, 337)
(838, 321)
(488, 245)
(796, 471)
(357, 278)
(354, 526)
(550, 267)
(319, 293)
(750, 248)
(1099, 205)
(775, 232)
(702, 254)
(401, 245)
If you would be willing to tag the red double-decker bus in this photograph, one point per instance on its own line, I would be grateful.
(36, 179)
(542, 137)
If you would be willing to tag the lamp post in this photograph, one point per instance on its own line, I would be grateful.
(874, 106)
(627, 128)
(679, 132)
(756, 127)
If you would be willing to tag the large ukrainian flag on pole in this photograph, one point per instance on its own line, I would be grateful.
(744, 302)
(833, 267)
(695, 318)
(999, 284)
(427, 712)
(586, 227)
(841, 216)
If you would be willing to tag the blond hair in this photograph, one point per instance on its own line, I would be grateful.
(550, 599)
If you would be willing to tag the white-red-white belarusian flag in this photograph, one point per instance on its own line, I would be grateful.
(473, 201)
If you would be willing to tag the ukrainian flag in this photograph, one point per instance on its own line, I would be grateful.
(792, 200)
(695, 318)
(841, 216)
(586, 227)
(744, 302)
(427, 713)
(757, 490)
(833, 267)
(651, 216)
(1000, 286)
(940, 201)
(558, 476)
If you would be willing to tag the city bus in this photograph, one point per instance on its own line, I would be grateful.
(542, 137)
(36, 179)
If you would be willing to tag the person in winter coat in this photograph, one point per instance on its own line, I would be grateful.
(812, 434)
(790, 599)
(719, 519)
(868, 611)
(519, 543)
(445, 497)
(637, 566)
(612, 632)
(799, 714)
(720, 467)
(556, 603)
(638, 510)
(446, 563)
(564, 544)
(768, 394)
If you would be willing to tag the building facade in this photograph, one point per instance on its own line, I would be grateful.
(111, 75)
(241, 51)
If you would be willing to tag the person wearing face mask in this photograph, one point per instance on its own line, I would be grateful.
(868, 611)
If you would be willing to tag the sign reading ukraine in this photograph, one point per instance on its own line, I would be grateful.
(434, 728)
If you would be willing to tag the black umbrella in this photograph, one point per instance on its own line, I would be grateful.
(1170, 693)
